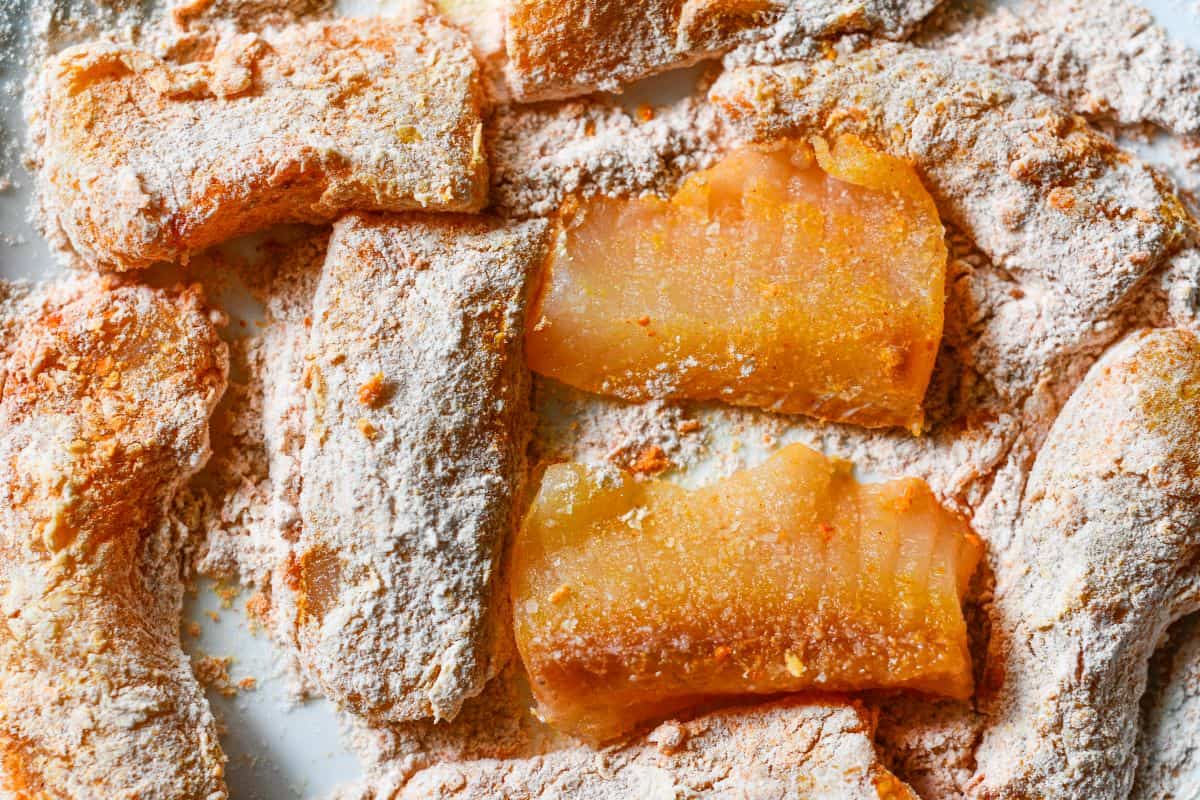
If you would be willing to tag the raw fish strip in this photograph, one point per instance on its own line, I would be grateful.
(145, 161)
(801, 284)
(573, 47)
(632, 600)
(794, 748)
(104, 409)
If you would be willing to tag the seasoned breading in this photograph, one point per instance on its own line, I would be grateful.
(796, 748)
(246, 15)
(1107, 59)
(1041, 193)
(738, 288)
(1105, 553)
(576, 47)
(104, 413)
(144, 161)
(413, 459)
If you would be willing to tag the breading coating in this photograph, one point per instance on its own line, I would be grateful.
(104, 413)
(1103, 560)
(1041, 193)
(413, 459)
(563, 49)
(799, 747)
(144, 161)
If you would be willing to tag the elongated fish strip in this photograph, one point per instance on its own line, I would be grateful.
(146, 161)
(632, 600)
(413, 458)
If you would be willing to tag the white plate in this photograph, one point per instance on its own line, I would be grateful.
(275, 750)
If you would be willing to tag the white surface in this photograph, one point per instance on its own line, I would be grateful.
(276, 751)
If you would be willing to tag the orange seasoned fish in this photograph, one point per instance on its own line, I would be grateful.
(144, 160)
(573, 47)
(803, 279)
(633, 599)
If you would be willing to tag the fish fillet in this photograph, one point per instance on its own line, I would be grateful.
(576, 47)
(795, 281)
(632, 600)
(143, 161)
(1103, 560)
(413, 458)
(104, 408)
(794, 748)
(1040, 192)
